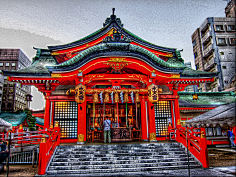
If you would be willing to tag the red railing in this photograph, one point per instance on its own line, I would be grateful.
(46, 149)
(195, 141)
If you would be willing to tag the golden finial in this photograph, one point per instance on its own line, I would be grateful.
(203, 134)
(21, 126)
(51, 125)
(56, 124)
(43, 140)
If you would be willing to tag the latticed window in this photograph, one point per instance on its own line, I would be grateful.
(162, 117)
(66, 113)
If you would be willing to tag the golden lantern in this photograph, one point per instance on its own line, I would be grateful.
(153, 93)
(80, 93)
(116, 97)
(137, 99)
(95, 97)
(126, 97)
(106, 98)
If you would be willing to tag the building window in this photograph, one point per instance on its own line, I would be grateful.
(197, 66)
(195, 55)
(10, 98)
(221, 41)
(66, 113)
(194, 43)
(232, 41)
(13, 64)
(224, 67)
(162, 117)
(1, 64)
(222, 53)
(7, 64)
(231, 28)
(219, 28)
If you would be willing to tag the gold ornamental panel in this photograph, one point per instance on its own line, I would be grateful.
(152, 136)
(80, 91)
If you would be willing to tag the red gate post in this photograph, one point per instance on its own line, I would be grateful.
(204, 151)
(42, 157)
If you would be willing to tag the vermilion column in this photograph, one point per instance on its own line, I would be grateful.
(47, 111)
(151, 119)
(177, 115)
(234, 131)
(144, 119)
(81, 126)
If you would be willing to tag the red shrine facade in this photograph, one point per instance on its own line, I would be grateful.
(110, 73)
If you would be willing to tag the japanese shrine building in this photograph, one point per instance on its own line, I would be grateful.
(113, 73)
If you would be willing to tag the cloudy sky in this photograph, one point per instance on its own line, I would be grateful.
(39, 23)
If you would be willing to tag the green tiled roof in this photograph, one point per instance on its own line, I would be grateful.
(206, 99)
(13, 118)
(39, 121)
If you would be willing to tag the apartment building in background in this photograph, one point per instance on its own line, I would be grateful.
(13, 94)
(214, 50)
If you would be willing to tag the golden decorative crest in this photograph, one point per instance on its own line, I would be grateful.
(56, 75)
(152, 136)
(80, 91)
(153, 93)
(43, 139)
(80, 138)
(195, 97)
(117, 60)
(175, 76)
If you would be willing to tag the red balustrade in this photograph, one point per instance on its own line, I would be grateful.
(197, 143)
(46, 149)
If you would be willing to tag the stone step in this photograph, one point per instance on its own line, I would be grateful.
(113, 171)
(126, 165)
(94, 162)
(94, 151)
(118, 154)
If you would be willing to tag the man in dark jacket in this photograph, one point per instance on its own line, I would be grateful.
(231, 138)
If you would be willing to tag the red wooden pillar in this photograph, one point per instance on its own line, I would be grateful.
(234, 131)
(152, 124)
(81, 126)
(47, 111)
(176, 109)
(144, 119)
(52, 112)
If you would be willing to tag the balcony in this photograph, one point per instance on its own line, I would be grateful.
(208, 51)
(207, 37)
(209, 64)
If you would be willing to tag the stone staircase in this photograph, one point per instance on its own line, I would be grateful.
(119, 159)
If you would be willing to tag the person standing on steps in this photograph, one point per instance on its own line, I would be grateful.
(231, 138)
(107, 129)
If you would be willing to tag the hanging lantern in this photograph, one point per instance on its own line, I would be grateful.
(95, 97)
(153, 93)
(106, 98)
(80, 93)
(126, 97)
(137, 99)
(116, 97)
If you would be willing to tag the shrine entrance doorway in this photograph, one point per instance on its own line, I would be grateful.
(125, 119)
